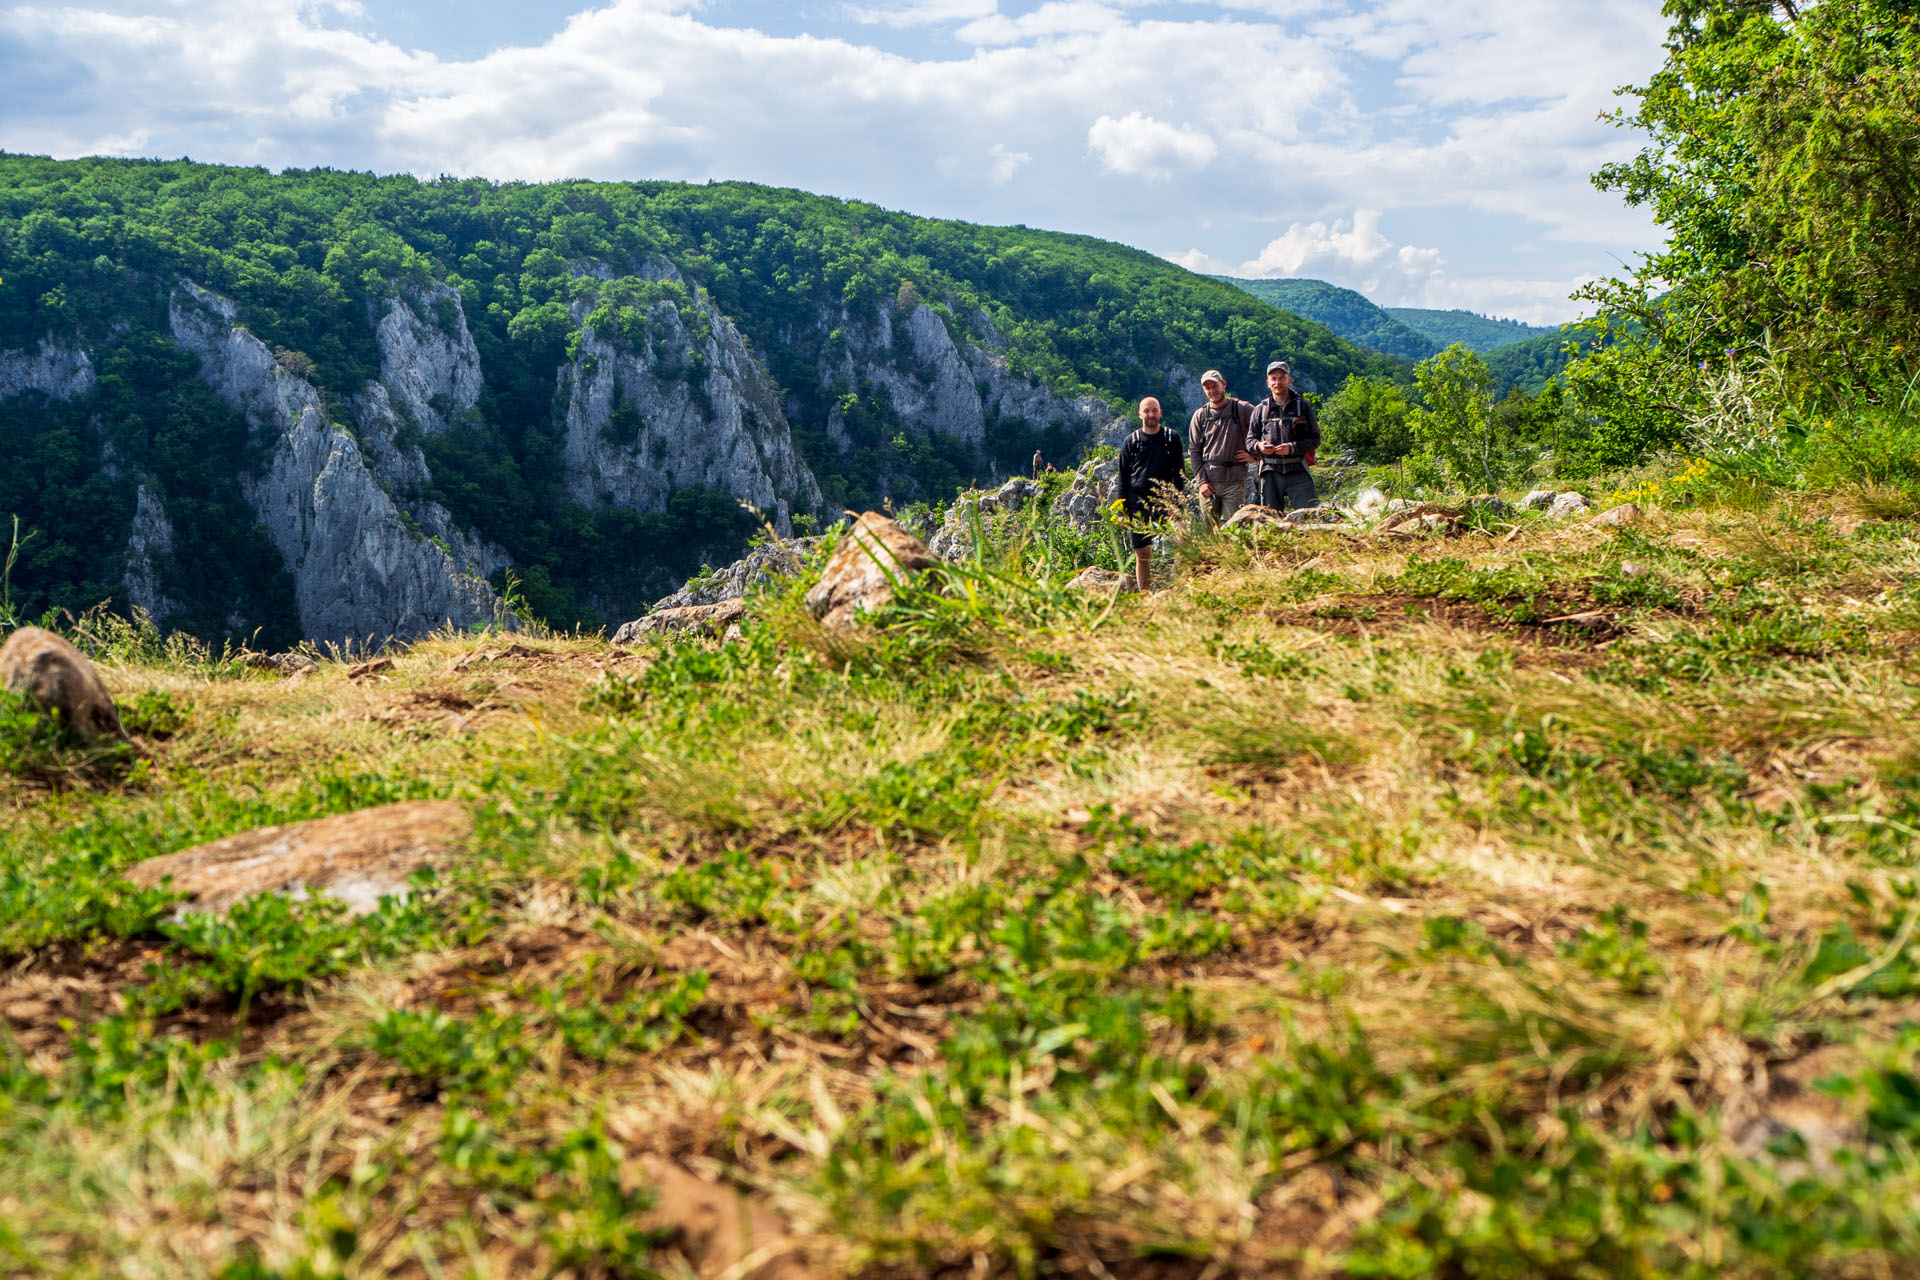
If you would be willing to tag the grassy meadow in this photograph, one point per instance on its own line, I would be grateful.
(1532, 901)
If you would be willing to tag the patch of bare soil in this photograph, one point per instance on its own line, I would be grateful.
(717, 1232)
(52, 992)
(1569, 628)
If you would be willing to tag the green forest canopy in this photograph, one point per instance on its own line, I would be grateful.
(90, 250)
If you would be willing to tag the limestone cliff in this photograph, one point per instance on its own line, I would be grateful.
(671, 404)
(359, 570)
(150, 544)
(940, 386)
(427, 358)
(55, 370)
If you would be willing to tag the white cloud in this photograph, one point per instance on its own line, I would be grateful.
(1140, 145)
(1348, 252)
(923, 13)
(1485, 112)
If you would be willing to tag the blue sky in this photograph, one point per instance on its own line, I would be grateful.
(1429, 153)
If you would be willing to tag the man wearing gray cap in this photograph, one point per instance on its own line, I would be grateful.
(1285, 432)
(1218, 436)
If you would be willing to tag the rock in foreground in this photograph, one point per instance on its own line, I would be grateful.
(355, 857)
(703, 619)
(39, 665)
(876, 555)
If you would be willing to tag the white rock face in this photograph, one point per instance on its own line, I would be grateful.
(1568, 504)
(57, 372)
(427, 357)
(359, 572)
(402, 471)
(936, 385)
(636, 431)
(149, 545)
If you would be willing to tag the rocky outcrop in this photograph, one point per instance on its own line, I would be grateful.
(357, 858)
(1086, 500)
(876, 556)
(40, 666)
(149, 547)
(427, 357)
(760, 565)
(678, 407)
(361, 568)
(1568, 504)
(699, 619)
(937, 385)
(56, 371)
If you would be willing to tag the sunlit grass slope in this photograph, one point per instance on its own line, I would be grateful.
(1532, 902)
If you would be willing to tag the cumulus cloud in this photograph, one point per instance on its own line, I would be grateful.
(1351, 252)
(1140, 145)
(1051, 117)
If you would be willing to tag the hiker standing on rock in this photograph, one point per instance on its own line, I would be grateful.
(1153, 467)
(1286, 433)
(1220, 458)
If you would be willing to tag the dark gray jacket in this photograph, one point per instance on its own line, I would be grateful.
(1294, 423)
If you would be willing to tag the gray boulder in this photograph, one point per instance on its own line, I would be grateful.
(1568, 504)
(705, 619)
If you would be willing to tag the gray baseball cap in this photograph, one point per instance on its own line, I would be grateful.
(1280, 366)
(1212, 375)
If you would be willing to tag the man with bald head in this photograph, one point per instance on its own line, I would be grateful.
(1153, 468)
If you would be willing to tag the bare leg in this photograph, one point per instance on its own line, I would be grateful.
(1143, 567)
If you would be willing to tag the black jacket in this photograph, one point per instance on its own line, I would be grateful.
(1147, 459)
(1293, 423)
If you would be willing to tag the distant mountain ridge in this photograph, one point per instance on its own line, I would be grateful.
(1412, 333)
(1484, 334)
(1349, 314)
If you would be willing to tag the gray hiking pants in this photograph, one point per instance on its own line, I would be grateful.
(1288, 492)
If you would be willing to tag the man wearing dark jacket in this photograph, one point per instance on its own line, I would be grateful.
(1285, 433)
(1153, 467)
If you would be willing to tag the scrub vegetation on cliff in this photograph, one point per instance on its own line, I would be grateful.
(91, 252)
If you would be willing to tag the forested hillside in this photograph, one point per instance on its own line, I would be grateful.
(1483, 334)
(1351, 315)
(575, 383)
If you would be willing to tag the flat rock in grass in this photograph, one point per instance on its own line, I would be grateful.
(355, 857)
(702, 619)
(40, 666)
(1102, 580)
(1619, 517)
(876, 555)
(1254, 517)
(1568, 504)
(1424, 517)
(1540, 499)
(1314, 515)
